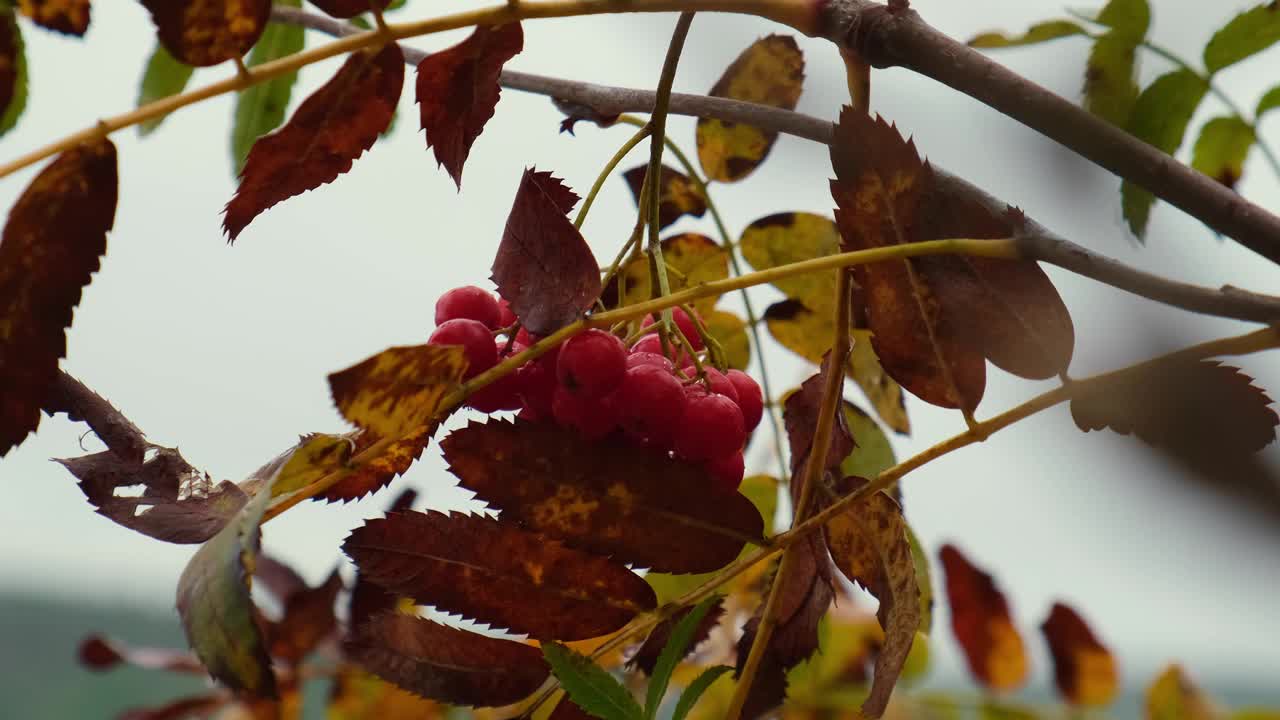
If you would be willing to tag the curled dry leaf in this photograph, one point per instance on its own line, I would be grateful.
(207, 32)
(332, 127)
(157, 511)
(1200, 410)
(934, 319)
(691, 258)
(609, 498)
(1083, 668)
(678, 195)
(349, 8)
(869, 544)
(101, 653)
(65, 16)
(982, 625)
(53, 240)
(497, 573)
(457, 91)
(769, 72)
(544, 267)
(446, 664)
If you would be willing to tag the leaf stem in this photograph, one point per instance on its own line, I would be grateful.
(608, 169)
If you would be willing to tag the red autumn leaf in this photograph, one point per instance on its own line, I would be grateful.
(51, 246)
(457, 91)
(544, 268)
(156, 512)
(367, 598)
(678, 195)
(647, 656)
(1203, 410)
(207, 32)
(800, 415)
(499, 574)
(934, 319)
(279, 579)
(332, 127)
(65, 16)
(308, 619)
(447, 664)
(608, 498)
(100, 653)
(1084, 669)
(378, 472)
(982, 625)
(349, 8)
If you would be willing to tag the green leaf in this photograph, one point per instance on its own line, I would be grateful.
(1128, 18)
(16, 53)
(1038, 33)
(165, 76)
(1269, 101)
(1221, 149)
(1160, 117)
(924, 581)
(589, 686)
(694, 692)
(261, 108)
(874, 454)
(1248, 33)
(217, 613)
(1109, 86)
(676, 648)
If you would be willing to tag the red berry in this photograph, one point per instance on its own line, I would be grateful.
(649, 404)
(727, 471)
(719, 383)
(641, 359)
(682, 321)
(538, 385)
(594, 417)
(469, 303)
(506, 316)
(503, 393)
(653, 344)
(710, 427)
(592, 363)
(524, 336)
(750, 399)
(475, 339)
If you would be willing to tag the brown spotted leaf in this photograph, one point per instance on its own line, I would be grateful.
(691, 259)
(609, 497)
(157, 511)
(544, 267)
(678, 195)
(332, 127)
(53, 240)
(1084, 669)
(399, 389)
(769, 72)
(349, 8)
(65, 16)
(982, 624)
(869, 544)
(457, 91)
(443, 663)
(207, 32)
(647, 656)
(100, 653)
(499, 574)
(1202, 410)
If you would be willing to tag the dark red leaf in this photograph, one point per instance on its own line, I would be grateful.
(278, 579)
(800, 415)
(51, 246)
(307, 621)
(1083, 668)
(332, 127)
(457, 91)
(499, 574)
(544, 268)
(678, 196)
(65, 16)
(447, 664)
(157, 511)
(608, 497)
(1203, 411)
(647, 656)
(100, 653)
(349, 8)
(566, 709)
(982, 624)
(368, 598)
(207, 32)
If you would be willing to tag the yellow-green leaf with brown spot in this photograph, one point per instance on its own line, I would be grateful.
(690, 258)
(731, 332)
(399, 389)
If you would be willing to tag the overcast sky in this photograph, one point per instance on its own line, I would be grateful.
(223, 351)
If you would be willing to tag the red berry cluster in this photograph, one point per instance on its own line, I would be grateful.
(594, 384)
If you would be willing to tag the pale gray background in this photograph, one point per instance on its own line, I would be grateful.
(223, 351)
